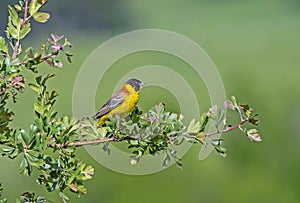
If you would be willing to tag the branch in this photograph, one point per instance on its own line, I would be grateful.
(57, 45)
(89, 142)
(16, 48)
(25, 14)
(95, 142)
(114, 139)
(229, 128)
(43, 59)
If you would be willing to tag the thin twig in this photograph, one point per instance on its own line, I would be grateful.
(87, 142)
(94, 142)
(16, 48)
(4, 90)
(44, 58)
(228, 128)
(25, 14)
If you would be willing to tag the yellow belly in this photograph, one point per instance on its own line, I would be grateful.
(124, 109)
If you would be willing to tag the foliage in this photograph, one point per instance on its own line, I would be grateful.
(49, 145)
(158, 130)
(42, 145)
(31, 197)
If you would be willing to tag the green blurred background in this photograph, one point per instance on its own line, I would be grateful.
(255, 46)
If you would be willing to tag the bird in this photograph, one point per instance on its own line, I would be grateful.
(122, 103)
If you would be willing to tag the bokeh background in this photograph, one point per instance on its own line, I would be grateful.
(255, 46)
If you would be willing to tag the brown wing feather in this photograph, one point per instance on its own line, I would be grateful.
(115, 101)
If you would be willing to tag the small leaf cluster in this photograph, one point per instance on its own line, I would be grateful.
(54, 45)
(156, 131)
(152, 132)
(246, 113)
(27, 197)
(19, 24)
(217, 117)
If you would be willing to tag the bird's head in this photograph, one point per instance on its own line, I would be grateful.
(135, 83)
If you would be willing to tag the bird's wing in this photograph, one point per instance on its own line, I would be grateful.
(116, 100)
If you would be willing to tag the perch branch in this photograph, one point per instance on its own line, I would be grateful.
(114, 139)
(228, 128)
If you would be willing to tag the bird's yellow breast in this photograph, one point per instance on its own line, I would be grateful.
(130, 101)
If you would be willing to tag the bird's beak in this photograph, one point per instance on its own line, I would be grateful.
(143, 84)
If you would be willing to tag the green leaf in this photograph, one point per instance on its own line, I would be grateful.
(3, 46)
(193, 127)
(13, 15)
(25, 30)
(53, 95)
(25, 167)
(38, 80)
(236, 106)
(221, 151)
(88, 172)
(25, 137)
(246, 108)
(201, 137)
(102, 131)
(35, 88)
(30, 52)
(82, 189)
(204, 118)
(38, 107)
(253, 120)
(41, 17)
(42, 2)
(27, 197)
(34, 6)
(46, 78)
(14, 24)
(234, 101)
(18, 7)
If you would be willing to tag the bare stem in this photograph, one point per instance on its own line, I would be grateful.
(16, 48)
(25, 14)
(87, 142)
(228, 128)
